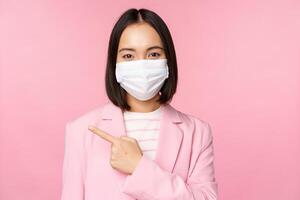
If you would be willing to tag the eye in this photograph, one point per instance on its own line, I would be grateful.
(127, 56)
(154, 54)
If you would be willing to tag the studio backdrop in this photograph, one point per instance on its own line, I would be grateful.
(239, 70)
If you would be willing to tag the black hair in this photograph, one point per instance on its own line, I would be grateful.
(115, 92)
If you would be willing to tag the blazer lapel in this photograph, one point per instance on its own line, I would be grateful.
(170, 137)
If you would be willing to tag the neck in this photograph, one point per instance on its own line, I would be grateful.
(143, 106)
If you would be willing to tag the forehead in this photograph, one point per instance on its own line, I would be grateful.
(141, 35)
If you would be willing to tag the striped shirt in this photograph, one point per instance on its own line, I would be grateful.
(144, 127)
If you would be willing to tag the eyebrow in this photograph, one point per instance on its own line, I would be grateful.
(150, 48)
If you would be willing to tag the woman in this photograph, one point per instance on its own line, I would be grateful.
(137, 146)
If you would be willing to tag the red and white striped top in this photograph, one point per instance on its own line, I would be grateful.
(144, 127)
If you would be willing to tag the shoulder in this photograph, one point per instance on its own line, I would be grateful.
(192, 120)
(87, 116)
(200, 128)
(77, 126)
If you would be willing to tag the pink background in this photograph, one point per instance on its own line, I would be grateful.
(239, 69)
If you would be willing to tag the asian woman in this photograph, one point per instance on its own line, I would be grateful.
(138, 146)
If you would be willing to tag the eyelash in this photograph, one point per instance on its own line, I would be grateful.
(158, 54)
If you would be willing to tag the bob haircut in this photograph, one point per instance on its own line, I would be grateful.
(115, 92)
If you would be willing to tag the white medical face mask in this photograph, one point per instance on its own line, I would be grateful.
(142, 78)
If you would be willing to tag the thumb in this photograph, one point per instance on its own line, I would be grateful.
(124, 137)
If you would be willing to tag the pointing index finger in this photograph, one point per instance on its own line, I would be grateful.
(103, 134)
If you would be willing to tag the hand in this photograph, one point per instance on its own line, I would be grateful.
(125, 151)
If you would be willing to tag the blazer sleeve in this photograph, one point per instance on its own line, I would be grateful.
(72, 177)
(150, 182)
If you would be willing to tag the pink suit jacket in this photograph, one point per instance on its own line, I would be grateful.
(183, 168)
